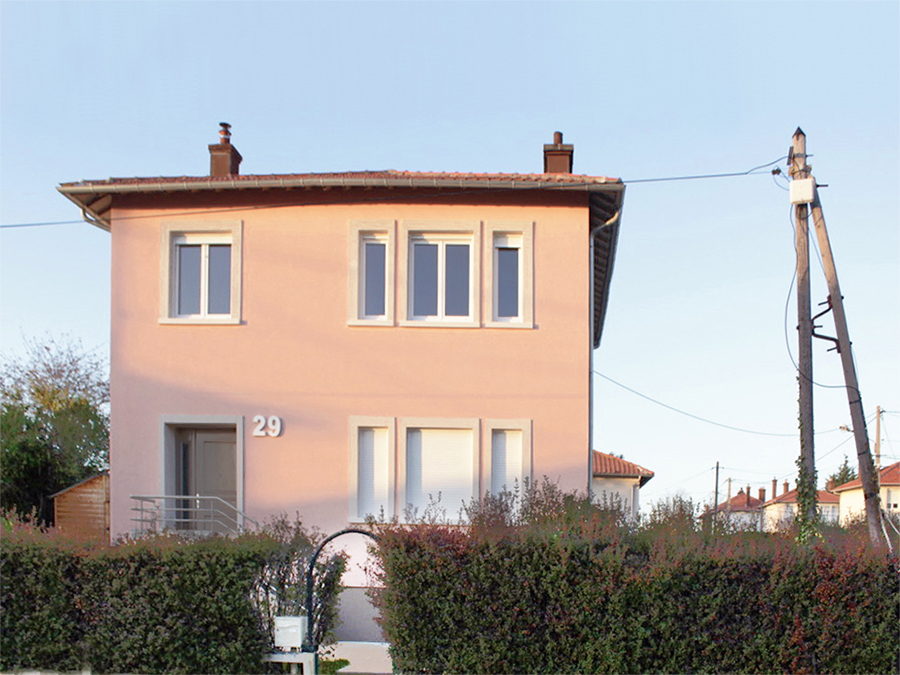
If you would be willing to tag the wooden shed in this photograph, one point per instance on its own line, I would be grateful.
(83, 508)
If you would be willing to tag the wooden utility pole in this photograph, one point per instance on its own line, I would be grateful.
(799, 170)
(867, 473)
(878, 444)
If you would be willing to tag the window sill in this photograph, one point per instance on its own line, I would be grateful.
(370, 322)
(509, 324)
(201, 321)
(439, 323)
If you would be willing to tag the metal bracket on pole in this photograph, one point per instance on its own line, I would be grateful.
(837, 344)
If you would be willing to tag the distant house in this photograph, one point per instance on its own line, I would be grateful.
(780, 511)
(743, 511)
(83, 508)
(852, 502)
(616, 481)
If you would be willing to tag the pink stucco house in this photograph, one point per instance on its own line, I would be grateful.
(347, 344)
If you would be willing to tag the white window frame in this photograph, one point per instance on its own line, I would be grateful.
(441, 233)
(357, 423)
(361, 233)
(404, 425)
(490, 426)
(502, 234)
(204, 233)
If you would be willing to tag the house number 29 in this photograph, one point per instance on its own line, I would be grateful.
(270, 426)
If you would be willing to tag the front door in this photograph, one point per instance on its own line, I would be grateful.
(206, 472)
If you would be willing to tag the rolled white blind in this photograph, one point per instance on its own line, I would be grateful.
(439, 461)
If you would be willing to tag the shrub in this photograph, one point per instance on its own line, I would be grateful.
(559, 585)
(160, 604)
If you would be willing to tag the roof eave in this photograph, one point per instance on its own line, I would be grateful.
(86, 194)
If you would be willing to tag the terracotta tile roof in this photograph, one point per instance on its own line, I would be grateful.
(742, 501)
(790, 497)
(352, 178)
(610, 466)
(889, 475)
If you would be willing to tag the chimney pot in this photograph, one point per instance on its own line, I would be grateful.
(748, 495)
(787, 487)
(774, 488)
(558, 156)
(224, 158)
(762, 495)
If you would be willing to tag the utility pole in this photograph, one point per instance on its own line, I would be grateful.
(799, 170)
(867, 474)
(878, 443)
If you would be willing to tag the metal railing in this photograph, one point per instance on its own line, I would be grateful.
(198, 515)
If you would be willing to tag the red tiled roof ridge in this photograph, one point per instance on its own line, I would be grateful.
(889, 475)
(384, 174)
(790, 497)
(605, 464)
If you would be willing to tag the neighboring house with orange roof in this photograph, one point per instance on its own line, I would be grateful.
(618, 482)
(852, 501)
(781, 511)
(741, 511)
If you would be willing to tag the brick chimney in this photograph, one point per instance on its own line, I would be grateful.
(830, 485)
(762, 495)
(557, 156)
(748, 496)
(224, 159)
(774, 488)
(787, 487)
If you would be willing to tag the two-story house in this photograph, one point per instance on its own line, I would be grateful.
(345, 344)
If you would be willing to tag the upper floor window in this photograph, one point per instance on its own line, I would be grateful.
(440, 273)
(441, 277)
(510, 276)
(372, 271)
(201, 275)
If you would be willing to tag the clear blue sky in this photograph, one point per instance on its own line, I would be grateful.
(90, 90)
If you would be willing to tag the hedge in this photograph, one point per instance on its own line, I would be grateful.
(156, 605)
(577, 592)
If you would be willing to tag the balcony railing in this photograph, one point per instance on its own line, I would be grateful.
(192, 515)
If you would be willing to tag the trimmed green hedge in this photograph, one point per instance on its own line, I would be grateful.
(157, 605)
(578, 593)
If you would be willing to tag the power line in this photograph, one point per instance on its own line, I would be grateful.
(697, 417)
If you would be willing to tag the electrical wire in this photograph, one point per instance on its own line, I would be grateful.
(704, 176)
(697, 417)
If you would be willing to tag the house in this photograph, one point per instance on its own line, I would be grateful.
(618, 482)
(741, 512)
(83, 508)
(780, 511)
(852, 502)
(348, 344)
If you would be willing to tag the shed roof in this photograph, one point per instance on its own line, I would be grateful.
(80, 483)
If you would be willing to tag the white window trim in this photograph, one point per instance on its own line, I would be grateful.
(222, 232)
(411, 230)
(168, 424)
(383, 231)
(404, 424)
(357, 423)
(492, 425)
(495, 230)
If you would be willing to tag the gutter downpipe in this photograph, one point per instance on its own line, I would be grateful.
(595, 230)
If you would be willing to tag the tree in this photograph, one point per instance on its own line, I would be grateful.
(844, 474)
(54, 422)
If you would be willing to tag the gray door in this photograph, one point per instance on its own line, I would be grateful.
(207, 473)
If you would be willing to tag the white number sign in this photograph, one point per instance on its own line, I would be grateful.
(267, 426)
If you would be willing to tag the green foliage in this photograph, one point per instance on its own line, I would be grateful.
(559, 586)
(159, 604)
(54, 429)
(844, 474)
